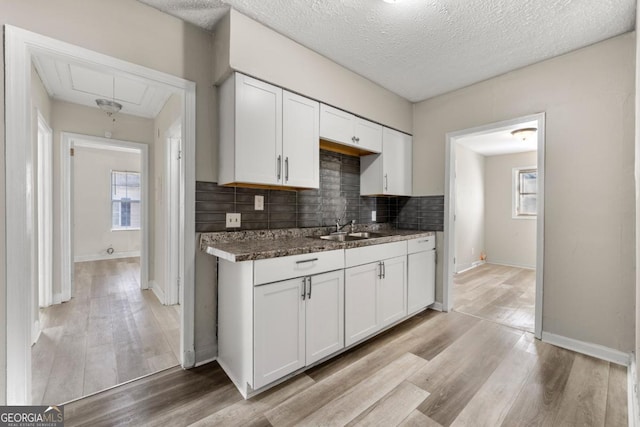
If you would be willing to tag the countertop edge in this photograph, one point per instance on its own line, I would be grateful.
(309, 246)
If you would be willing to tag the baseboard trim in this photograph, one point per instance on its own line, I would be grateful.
(206, 354)
(57, 299)
(104, 256)
(157, 290)
(632, 393)
(507, 264)
(590, 349)
(437, 306)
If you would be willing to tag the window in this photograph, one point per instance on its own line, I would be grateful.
(125, 200)
(525, 185)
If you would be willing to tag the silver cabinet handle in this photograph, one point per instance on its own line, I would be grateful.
(358, 140)
(279, 165)
(306, 260)
(286, 169)
(353, 139)
(380, 273)
(386, 181)
(310, 286)
(304, 288)
(384, 270)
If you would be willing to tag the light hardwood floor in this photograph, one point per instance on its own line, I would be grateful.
(110, 332)
(498, 293)
(435, 369)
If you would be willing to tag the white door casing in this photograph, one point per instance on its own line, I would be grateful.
(449, 208)
(19, 216)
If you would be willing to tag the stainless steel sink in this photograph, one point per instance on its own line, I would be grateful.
(341, 237)
(367, 234)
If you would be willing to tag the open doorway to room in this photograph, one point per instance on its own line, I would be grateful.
(109, 329)
(493, 240)
(102, 293)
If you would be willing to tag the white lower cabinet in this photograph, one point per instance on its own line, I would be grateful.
(375, 297)
(361, 302)
(296, 323)
(277, 316)
(421, 268)
(392, 291)
(279, 325)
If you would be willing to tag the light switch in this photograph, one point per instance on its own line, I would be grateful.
(259, 203)
(373, 215)
(233, 220)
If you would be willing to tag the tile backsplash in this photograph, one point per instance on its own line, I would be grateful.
(337, 197)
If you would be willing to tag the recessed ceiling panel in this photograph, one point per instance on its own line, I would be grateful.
(89, 81)
(82, 83)
(131, 91)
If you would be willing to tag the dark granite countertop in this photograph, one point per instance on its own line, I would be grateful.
(263, 244)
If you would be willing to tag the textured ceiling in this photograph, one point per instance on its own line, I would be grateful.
(422, 48)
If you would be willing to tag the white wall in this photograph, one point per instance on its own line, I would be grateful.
(588, 97)
(470, 207)
(252, 48)
(509, 241)
(92, 204)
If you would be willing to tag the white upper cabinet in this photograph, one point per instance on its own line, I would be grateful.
(344, 128)
(268, 136)
(390, 172)
(300, 140)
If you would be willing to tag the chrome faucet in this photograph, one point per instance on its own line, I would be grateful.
(340, 227)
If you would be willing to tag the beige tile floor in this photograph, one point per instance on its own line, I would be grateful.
(109, 333)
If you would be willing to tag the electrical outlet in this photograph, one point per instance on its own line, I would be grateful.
(373, 215)
(233, 220)
(259, 203)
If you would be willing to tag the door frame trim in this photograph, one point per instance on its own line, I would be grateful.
(20, 237)
(449, 210)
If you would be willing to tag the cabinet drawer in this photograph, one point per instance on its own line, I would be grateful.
(288, 267)
(367, 254)
(422, 244)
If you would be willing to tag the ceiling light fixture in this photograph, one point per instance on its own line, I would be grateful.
(392, 1)
(108, 106)
(524, 133)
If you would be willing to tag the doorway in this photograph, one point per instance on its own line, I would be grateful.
(494, 222)
(21, 47)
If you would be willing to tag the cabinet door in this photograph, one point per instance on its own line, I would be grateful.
(396, 163)
(337, 125)
(325, 315)
(361, 302)
(279, 329)
(392, 291)
(300, 141)
(369, 135)
(258, 147)
(421, 280)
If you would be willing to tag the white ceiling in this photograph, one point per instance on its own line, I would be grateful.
(500, 141)
(82, 83)
(422, 48)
